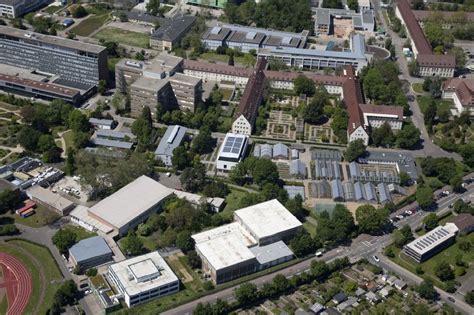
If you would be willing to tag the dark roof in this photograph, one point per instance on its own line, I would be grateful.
(352, 98)
(253, 92)
(464, 90)
(174, 29)
(340, 297)
(90, 248)
(43, 86)
(416, 33)
(463, 221)
(216, 68)
(140, 16)
(439, 61)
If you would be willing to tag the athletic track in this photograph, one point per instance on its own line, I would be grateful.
(17, 282)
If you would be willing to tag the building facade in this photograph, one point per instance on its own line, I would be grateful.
(168, 35)
(461, 92)
(17, 8)
(76, 63)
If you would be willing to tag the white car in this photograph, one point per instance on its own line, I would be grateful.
(376, 258)
(168, 174)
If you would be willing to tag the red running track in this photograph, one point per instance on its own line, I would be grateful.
(18, 283)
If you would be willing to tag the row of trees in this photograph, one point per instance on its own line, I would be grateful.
(275, 14)
(248, 294)
(405, 138)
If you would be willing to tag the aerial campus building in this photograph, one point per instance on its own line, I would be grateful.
(428, 64)
(232, 151)
(253, 242)
(157, 81)
(431, 243)
(171, 32)
(461, 91)
(172, 138)
(90, 252)
(17, 8)
(363, 20)
(143, 278)
(121, 211)
(246, 38)
(49, 66)
(218, 4)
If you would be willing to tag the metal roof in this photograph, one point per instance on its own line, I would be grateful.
(172, 138)
(337, 191)
(272, 252)
(297, 168)
(433, 238)
(293, 191)
(384, 193)
(370, 192)
(90, 248)
(280, 150)
(112, 143)
(174, 29)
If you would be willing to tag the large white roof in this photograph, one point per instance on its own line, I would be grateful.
(233, 145)
(267, 218)
(224, 251)
(232, 228)
(433, 238)
(131, 201)
(134, 274)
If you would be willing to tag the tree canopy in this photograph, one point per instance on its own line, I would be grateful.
(371, 220)
(354, 150)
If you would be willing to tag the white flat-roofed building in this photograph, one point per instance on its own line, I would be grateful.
(226, 257)
(143, 278)
(131, 205)
(50, 200)
(231, 152)
(101, 123)
(81, 217)
(432, 242)
(268, 221)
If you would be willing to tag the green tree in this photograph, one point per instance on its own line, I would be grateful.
(371, 220)
(424, 197)
(193, 178)
(314, 111)
(426, 290)
(443, 271)
(102, 87)
(456, 183)
(231, 60)
(181, 158)
(132, 245)
(402, 236)
(246, 293)
(354, 150)
(153, 7)
(70, 162)
(77, 121)
(9, 200)
(319, 270)
(28, 138)
(304, 85)
(430, 221)
(64, 239)
(405, 179)
(46, 142)
(465, 246)
(184, 241)
(67, 294)
(469, 298)
(280, 283)
(302, 244)
(265, 171)
(353, 4)
(383, 136)
(203, 143)
(79, 12)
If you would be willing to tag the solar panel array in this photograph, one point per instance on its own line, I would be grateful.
(431, 238)
(233, 145)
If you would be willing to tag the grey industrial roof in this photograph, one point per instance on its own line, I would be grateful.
(172, 138)
(174, 29)
(52, 40)
(405, 161)
(112, 143)
(348, 188)
(433, 238)
(102, 122)
(216, 33)
(326, 154)
(384, 193)
(271, 252)
(89, 248)
(354, 169)
(106, 133)
(336, 189)
(297, 167)
(11, 2)
(359, 191)
(266, 151)
(294, 190)
(280, 149)
(370, 194)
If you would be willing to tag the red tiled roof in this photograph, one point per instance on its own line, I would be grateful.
(438, 61)
(382, 109)
(43, 86)
(416, 33)
(421, 15)
(217, 68)
(464, 90)
(253, 93)
(317, 78)
(352, 98)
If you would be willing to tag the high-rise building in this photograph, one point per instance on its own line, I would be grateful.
(17, 8)
(64, 61)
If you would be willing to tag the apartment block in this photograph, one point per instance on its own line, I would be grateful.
(16, 8)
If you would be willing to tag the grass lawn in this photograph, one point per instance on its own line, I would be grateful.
(52, 9)
(43, 216)
(81, 233)
(418, 88)
(149, 242)
(448, 255)
(68, 137)
(424, 102)
(8, 106)
(232, 202)
(124, 37)
(245, 60)
(310, 228)
(48, 267)
(87, 26)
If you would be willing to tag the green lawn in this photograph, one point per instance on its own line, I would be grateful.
(68, 137)
(424, 102)
(448, 255)
(246, 60)
(232, 202)
(87, 26)
(81, 233)
(47, 265)
(52, 9)
(43, 216)
(124, 37)
(310, 228)
(418, 87)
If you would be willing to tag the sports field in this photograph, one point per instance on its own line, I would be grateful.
(45, 277)
(16, 284)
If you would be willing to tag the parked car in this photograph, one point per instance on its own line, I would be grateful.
(376, 258)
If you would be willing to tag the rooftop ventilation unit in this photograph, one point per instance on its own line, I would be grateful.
(250, 35)
(173, 134)
(134, 64)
